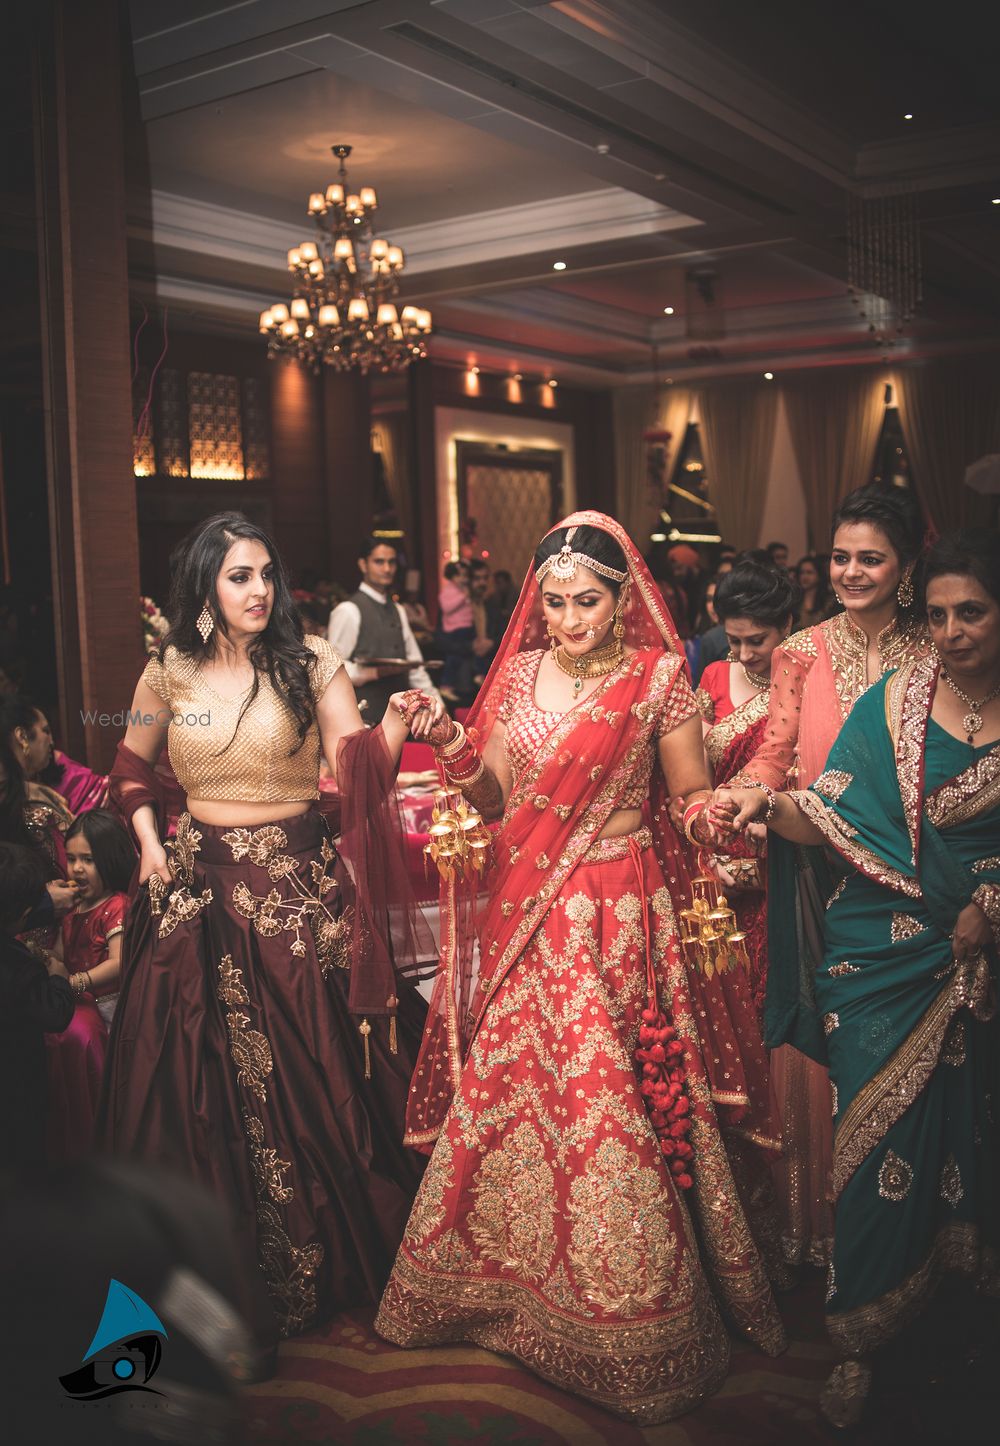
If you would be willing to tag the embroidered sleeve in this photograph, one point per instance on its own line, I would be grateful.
(114, 915)
(155, 678)
(705, 704)
(679, 703)
(325, 664)
(775, 758)
(511, 685)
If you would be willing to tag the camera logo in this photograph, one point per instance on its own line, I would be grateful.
(125, 1351)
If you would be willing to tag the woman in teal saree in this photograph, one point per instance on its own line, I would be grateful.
(910, 800)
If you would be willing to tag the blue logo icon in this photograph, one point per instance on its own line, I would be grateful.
(125, 1351)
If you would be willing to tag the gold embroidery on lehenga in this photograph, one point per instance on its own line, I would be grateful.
(428, 1208)
(846, 967)
(270, 913)
(905, 926)
(895, 1177)
(740, 720)
(512, 1220)
(289, 1269)
(183, 848)
(182, 905)
(250, 1050)
(951, 1183)
(621, 1245)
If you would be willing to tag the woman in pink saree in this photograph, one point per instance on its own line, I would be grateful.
(580, 1211)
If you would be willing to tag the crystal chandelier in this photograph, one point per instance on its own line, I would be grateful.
(342, 310)
(884, 270)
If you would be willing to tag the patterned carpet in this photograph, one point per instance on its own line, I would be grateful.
(344, 1385)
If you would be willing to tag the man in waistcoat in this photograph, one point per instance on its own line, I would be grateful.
(372, 625)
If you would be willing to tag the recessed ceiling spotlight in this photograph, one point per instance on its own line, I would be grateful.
(474, 371)
(908, 115)
(518, 377)
(558, 266)
(668, 311)
(996, 200)
(553, 382)
(769, 376)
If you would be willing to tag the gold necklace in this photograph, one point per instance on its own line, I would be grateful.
(973, 720)
(595, 664)
(756, 680)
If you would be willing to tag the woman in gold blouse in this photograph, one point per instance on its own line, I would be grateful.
(265, 1038)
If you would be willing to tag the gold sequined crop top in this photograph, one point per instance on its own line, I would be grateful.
(259, 766)
(671, 703)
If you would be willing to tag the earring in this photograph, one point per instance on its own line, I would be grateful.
(552, 638)
(904, 593)
(205, 623)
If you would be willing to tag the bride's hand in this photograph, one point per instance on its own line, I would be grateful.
(731, 809)
(425, 717)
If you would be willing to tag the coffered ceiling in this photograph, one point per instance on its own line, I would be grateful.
(688, 153)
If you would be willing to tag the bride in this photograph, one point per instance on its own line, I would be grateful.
(580, 1211)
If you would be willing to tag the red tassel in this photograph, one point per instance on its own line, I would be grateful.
(662, 1079)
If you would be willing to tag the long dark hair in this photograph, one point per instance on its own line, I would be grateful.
(279, 651)
(17, 711)
(13, 797)
(22, 878)
(967, 554)
(760, 591)
(110, 847)
(591, 541)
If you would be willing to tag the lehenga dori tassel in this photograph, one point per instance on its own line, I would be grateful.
(365, 1029)
(660, 1055)
(392, 1002)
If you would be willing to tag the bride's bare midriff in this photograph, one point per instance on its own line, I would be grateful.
(221, 813)
(623, 820)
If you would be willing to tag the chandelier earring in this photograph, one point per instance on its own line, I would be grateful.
(205, 623)
(553, 644)
(904, 593)
(619, 627)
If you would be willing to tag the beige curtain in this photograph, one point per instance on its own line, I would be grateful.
(737, 440)
(636, 410)
(389, 436)
(950, 414)
(835, 420)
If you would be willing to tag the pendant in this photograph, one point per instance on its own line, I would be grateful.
(972, 723)
(578, 684)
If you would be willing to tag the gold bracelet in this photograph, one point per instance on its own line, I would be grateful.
(454, 745)
(76, 983)
(772, 800)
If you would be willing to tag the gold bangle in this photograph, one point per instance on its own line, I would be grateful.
(454, 745)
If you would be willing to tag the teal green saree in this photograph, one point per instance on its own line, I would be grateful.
(911, 1035)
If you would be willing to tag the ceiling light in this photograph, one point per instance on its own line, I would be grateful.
(908, 115)
(553, 382)
(558, 266)
(345, 281)
(474, 371)
(668, 311)
(769, 376)
(996, 200)
(518, 377)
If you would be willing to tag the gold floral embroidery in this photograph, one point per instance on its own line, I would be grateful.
(429, 1206)
(183, 849)
(250, 1050)
(830, 1023)
(952, 1189)
(905, 926)
(289, 1270)
(182, 906)
(506, 908)
(803, 642)
(559, 1289)
(895, 1177)
(705, 704)
(543, 862)
(621, 1245)
(512, 1219)
(834, 782)
(973, 793)
(542, 800)
(836, 970)
(270, 913)
(843, 838)
(847, 645)
(563, 810)
(986, 866)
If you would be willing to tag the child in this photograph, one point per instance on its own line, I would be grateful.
(100, 861)
(32, 1001)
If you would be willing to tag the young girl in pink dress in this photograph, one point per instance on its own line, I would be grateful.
(100, 861)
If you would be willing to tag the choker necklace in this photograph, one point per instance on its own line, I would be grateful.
(595, 664)
(973, 720)
(756, 680)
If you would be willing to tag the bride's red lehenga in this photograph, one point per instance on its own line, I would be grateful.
(549, 1224)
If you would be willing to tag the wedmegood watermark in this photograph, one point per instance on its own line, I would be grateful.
(134, 717)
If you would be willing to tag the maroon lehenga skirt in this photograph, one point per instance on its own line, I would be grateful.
(233, 1058)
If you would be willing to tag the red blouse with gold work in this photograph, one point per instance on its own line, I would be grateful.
(527, 725)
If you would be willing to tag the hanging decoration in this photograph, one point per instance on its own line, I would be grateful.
(884, 264)
(343, 311)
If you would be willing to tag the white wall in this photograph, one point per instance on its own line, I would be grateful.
(783, 509)
(456, 424)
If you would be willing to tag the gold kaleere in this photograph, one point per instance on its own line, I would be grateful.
(458, 842)
(709, 933)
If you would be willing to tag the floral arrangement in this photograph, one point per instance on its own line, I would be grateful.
(154, 624)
